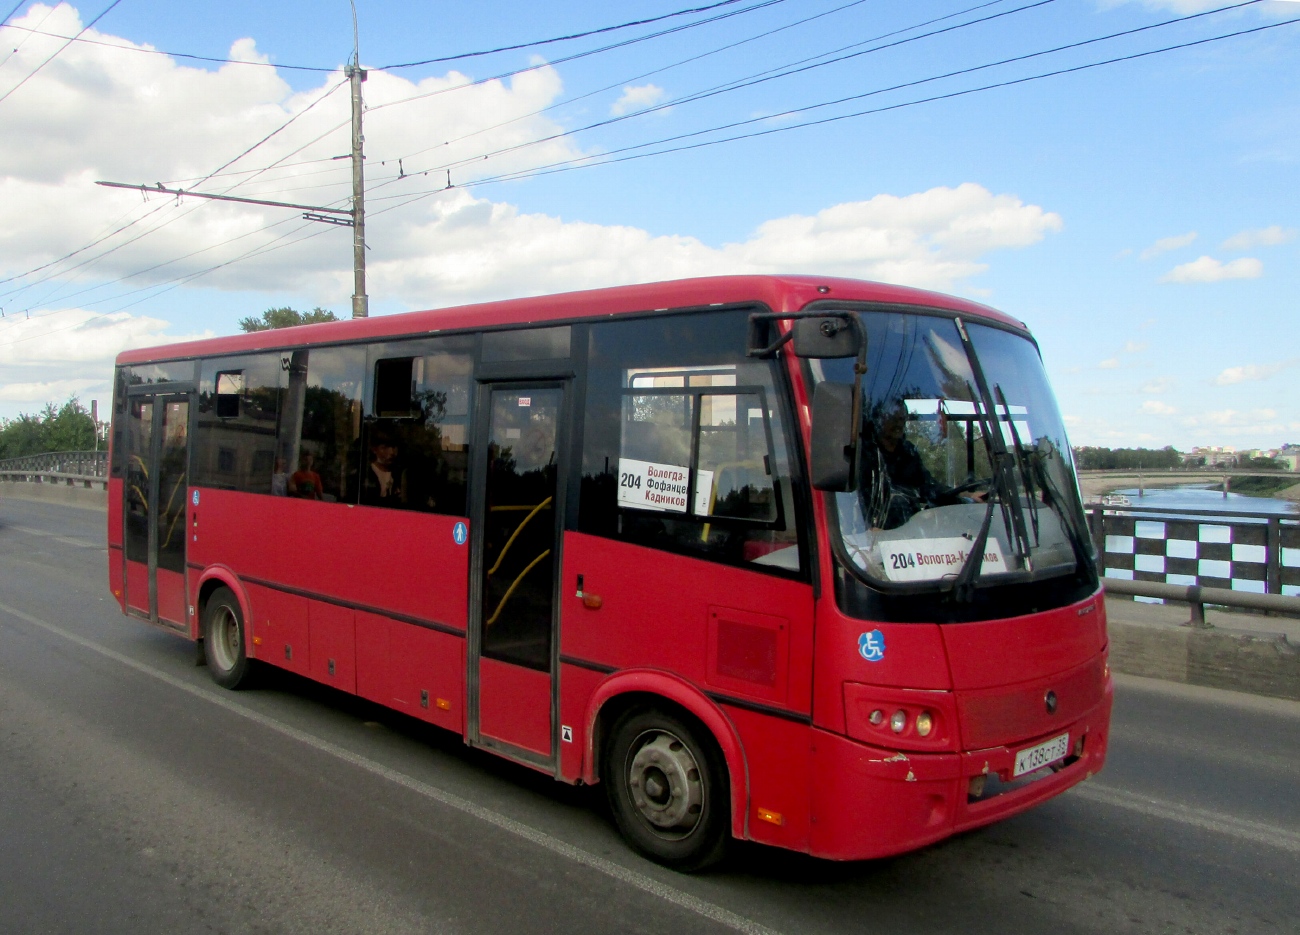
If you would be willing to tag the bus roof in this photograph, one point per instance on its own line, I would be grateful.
(779, 293)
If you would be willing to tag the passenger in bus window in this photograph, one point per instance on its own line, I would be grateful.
(383, 483)
(902, 484)
(305, 482)
(280, 479)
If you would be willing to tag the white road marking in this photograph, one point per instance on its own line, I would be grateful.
(79, 543)
(1255, 832)
(623, 874)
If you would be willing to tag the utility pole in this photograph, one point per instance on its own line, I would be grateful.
(355, 217)
(356, 74)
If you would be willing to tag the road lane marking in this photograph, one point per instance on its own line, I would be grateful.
(1255, 832)
(551, 843)
(45, 534)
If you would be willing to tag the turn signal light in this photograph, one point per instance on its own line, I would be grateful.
(924, 723)
(771, 817)
(877, 717)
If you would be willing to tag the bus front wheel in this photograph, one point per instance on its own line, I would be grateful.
(667, 788)
(223, 640)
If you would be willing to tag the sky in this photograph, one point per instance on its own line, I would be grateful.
(1141, 216)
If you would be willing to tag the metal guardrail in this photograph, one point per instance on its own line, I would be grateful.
(1197, 597)
(1249, 560)
(93, 464)
(73, 468)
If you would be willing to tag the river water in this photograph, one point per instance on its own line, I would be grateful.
(1200, 497)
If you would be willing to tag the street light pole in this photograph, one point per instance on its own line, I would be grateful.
(356, 74)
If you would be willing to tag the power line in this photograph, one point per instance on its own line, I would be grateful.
(183, 55)
(578, 55)
(639, 77)
(31, 74)
(593, 161)
(319, 68)
(576, 35)
(570, 164)
(765, 76)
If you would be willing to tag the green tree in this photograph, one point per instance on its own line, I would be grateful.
(65, 428)
(286, 318)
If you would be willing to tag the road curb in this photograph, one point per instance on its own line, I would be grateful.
(1239, 660)
(55, 493)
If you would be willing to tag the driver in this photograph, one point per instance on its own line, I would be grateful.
(910, 486)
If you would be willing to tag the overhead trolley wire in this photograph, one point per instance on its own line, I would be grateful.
(576, 35)
(56, 52)
(765, 76)
(578, 55)
(647, 74)
(599, 160)
(320, 68)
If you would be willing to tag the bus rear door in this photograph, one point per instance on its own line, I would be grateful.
(154, 507)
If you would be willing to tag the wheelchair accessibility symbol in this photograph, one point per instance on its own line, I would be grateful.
(872, 646)
(459, 533)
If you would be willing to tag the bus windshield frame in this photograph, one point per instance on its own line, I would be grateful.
(934, 485)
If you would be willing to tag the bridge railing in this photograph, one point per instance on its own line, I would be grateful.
(1229, 558)
(87, 468)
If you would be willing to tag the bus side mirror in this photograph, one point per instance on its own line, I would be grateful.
(826, 338)
(832, 436)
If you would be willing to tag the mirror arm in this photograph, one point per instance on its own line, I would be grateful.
(758, 318)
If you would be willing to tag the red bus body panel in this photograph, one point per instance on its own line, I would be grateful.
(376, 602)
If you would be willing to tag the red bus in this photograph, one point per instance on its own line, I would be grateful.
(794, 560)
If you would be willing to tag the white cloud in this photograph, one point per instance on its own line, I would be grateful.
(462, 248)
(1208, 269)
(1260, 237)
(1233, 422)
(1250, 373)
(1158, 386)
(1165, 244)
(56, 355)
(1156, 408)
(637, 98)
(103, 113)
(1110, 363)
(1135, 347)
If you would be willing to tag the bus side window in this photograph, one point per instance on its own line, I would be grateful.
(416, 452)
(318, 443)
(684, 447)
(234, 436)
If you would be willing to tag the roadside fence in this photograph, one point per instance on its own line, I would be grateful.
(73, 468)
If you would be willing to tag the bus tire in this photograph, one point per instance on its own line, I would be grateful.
(224, 638)
(668, 790)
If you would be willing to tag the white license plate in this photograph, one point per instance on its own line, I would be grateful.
(1049, 751)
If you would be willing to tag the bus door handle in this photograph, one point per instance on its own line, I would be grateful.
(589, 600)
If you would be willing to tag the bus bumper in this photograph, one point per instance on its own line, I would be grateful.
(871, 802)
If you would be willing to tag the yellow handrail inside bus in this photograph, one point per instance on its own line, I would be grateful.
(166, 510)
(514, 584)
(514, 535)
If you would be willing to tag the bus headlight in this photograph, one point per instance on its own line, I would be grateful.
(924, 723)
(898, 722)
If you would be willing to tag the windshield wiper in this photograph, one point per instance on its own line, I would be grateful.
(998, 453)
(1025, 476)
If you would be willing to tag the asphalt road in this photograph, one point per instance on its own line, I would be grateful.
(135, 796)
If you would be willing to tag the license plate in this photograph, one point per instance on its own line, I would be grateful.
(1049, 751)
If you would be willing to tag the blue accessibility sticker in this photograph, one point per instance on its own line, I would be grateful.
(194, 498)
(872, 646)
(459, 533)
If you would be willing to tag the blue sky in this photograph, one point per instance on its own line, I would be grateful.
(1140, 216)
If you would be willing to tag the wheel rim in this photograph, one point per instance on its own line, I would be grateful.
(223, 632)
(664, 780)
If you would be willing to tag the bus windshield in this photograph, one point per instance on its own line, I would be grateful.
(964, 474)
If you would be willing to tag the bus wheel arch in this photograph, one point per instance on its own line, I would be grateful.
(210, 581)
(656, 690)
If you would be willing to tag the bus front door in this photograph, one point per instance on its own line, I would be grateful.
(516, 513)
(157, 440)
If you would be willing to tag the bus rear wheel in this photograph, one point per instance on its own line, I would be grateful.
(223, 640)
(667, 788)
